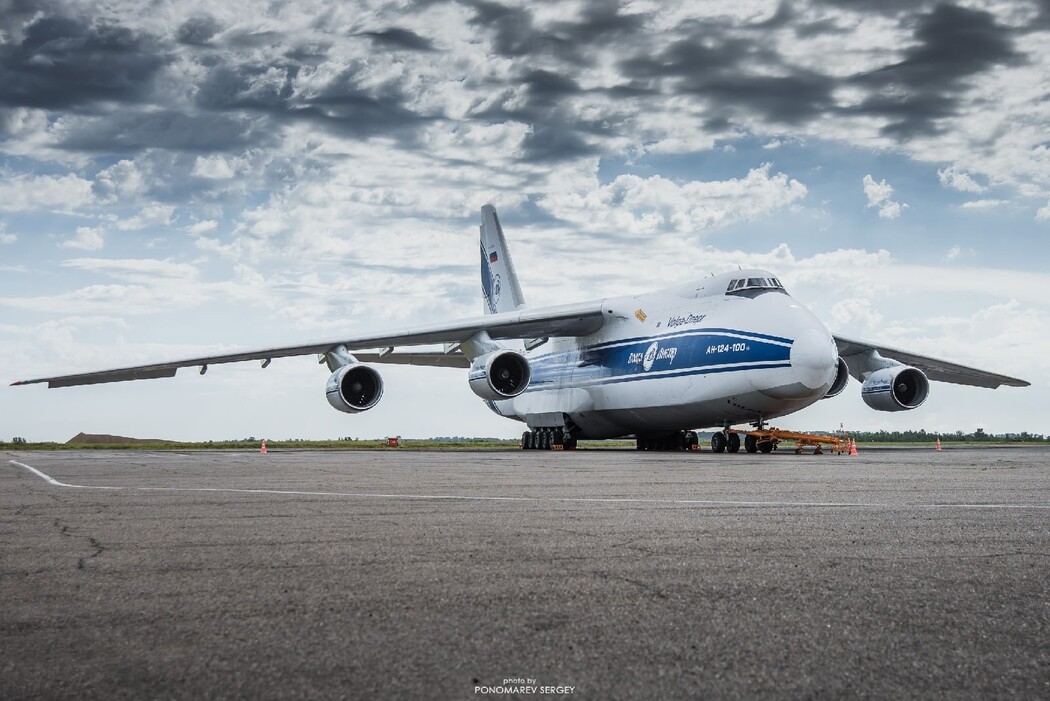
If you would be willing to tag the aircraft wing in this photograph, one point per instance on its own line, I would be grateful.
(853, 352)
(564, 320)
(434, 359)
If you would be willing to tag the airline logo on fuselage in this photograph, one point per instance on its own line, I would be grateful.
(652, 354)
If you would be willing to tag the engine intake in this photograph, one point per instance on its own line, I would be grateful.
(841, 380)
(354, 388)
(500, 375)
(895, 389)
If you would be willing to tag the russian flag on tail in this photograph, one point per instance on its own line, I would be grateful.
(493, 257)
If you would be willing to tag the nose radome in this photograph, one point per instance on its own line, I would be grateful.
(814, 358)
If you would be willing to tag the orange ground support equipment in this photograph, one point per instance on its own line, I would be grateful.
(765, 439)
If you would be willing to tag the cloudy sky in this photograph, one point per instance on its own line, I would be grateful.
(188, 177)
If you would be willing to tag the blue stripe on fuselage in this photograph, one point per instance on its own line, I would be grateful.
(706, 330)
(678, 354)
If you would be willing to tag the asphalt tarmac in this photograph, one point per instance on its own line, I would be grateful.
(504, 574)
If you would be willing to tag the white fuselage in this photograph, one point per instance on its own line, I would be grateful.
(682, 358)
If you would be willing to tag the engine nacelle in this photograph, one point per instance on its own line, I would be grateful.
(354, 388)
(896, 388)
(841, 380)
(500, 375)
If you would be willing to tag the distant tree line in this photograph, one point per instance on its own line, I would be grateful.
(922, 436)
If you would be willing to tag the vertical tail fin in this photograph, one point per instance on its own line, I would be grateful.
(499, 281)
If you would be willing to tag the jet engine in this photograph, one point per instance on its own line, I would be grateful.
(500, 375)
(895, 388)
(841, 379)
(354, 388)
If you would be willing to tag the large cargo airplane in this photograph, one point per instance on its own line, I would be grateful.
(723, 350)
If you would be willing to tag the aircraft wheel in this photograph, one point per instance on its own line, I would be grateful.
(526, 438)
(718, 442)
(546, 440)
(692, 442)
(766, 446)
(733, 443)
(751, 443)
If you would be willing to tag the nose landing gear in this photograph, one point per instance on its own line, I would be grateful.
(725, 441)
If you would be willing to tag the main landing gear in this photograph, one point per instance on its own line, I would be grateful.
(548, 439)
(681, 440)
(729, 441)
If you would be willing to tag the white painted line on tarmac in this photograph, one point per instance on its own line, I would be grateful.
(599, 500)
(52, 480)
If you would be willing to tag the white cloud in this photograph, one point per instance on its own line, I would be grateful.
(213, 167)
(958, 180)
(137, 270)
(202, 227)
(957, 252)
(87, 238)
(150, 215)
(984, 204)
(4, 236)
(24, 193)
(1043, 212)
(856, 310)
(880, 195)
(121, 181)
(631, 204)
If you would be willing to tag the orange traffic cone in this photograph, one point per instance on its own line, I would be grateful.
(938, 448)
(852, 447)
(263, 449)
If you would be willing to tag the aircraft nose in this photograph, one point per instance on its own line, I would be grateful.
(814, 358)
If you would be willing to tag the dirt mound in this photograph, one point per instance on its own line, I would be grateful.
(94, 438)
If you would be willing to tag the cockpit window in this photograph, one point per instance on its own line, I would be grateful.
(753, 286)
